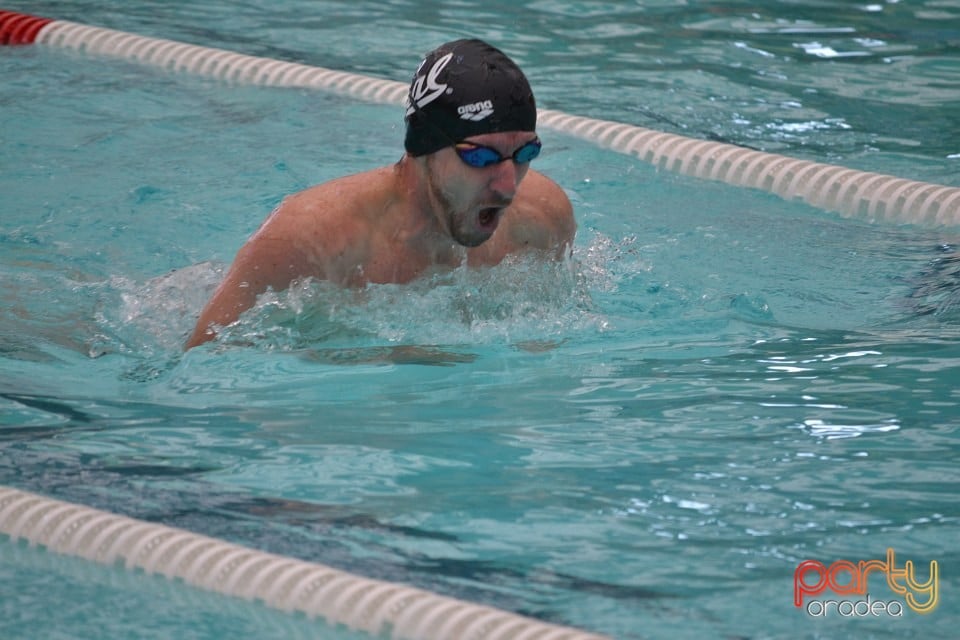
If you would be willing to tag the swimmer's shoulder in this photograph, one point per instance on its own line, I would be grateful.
(540, 218)
(323, 228)
(329, 211)
(543, 194)
(545, 204)
(340, 196)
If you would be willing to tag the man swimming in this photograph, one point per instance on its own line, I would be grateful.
(463, 193)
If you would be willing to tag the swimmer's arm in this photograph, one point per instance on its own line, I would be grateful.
(564, 227)
(307, 236)
(549, 225)
(263, 263)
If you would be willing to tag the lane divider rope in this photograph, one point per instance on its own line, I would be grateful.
(195, 605)
(287, 584)
(852, 193)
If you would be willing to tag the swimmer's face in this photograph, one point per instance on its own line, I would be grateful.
(474, 199)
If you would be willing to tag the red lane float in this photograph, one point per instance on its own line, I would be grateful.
(20, 28)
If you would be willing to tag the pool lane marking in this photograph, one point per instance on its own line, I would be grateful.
(283, 583)
(849, 192)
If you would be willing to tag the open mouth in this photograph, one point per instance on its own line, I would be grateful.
(488, 217)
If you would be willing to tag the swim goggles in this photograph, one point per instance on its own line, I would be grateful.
(480, 156)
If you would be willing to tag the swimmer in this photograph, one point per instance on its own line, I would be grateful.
(462, 194)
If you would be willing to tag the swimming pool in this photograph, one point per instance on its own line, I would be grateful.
(643, 443)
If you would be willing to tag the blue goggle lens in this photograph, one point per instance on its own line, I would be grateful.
(479, 156)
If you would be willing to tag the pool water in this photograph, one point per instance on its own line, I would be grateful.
(643, 441)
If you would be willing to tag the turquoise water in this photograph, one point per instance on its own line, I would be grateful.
(643, 442)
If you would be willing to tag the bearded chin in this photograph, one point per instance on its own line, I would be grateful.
(460, 224)
(458, 221)
(464, 241)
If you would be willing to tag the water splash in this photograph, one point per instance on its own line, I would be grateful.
(524, 301)
(521, 299)
(158, 315)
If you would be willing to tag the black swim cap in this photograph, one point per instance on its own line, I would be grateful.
(466, 88)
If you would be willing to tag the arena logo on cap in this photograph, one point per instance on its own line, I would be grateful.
(845, 578)
(476, 111)
(425, 89)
